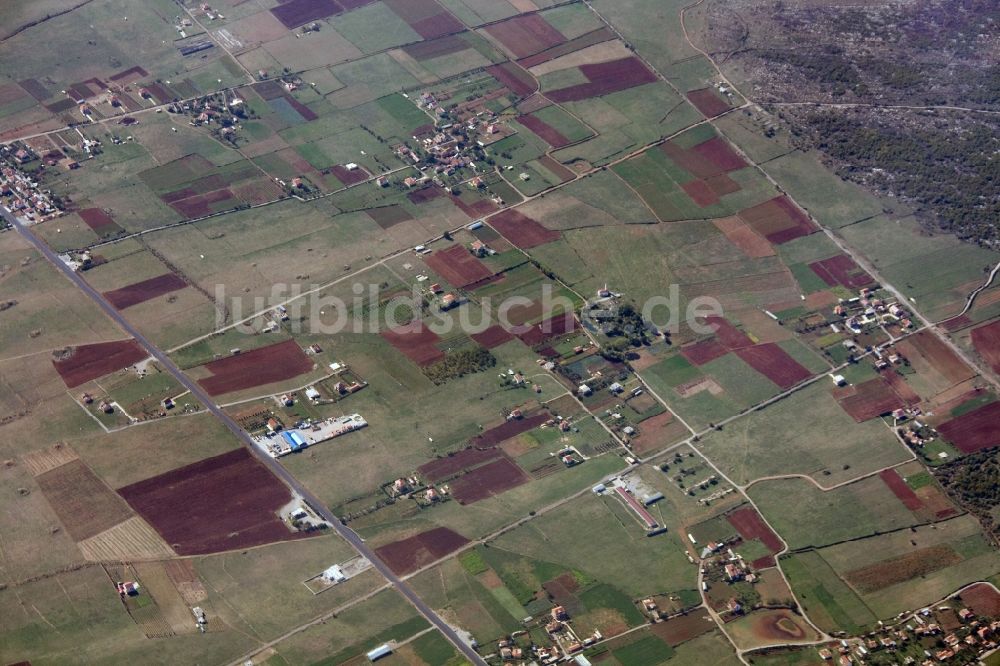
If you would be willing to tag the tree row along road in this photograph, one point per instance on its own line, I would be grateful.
(276, 468)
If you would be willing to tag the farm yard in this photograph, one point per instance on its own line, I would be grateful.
(255, 162)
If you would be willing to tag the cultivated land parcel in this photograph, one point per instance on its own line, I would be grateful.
(199, 467)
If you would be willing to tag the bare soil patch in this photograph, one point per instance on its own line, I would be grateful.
(264, 365)
(408, 555)
(220, 503)
(146, 290)
(901, 569)
(88, 362)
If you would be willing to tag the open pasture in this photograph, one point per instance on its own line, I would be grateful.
(776, 440)
(806, 516)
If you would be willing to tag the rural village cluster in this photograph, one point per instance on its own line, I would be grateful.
(804, 476)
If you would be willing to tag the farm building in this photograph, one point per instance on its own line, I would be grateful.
(381, 651)
(296, 439)
(335, 574)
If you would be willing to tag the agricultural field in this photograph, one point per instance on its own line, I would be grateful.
(491, 331)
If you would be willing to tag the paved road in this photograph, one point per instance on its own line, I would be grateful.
(277, 469)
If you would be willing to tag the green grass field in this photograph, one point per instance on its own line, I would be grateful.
(805, 516)
(619, 552)
(825, 598)
(828, 445)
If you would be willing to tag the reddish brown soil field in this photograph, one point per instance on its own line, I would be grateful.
(294, 13)
(389, 216)
(35, 88)
(774, 363)
(408, 555)
(702, 352)
(220, 503)
(868, 400)
(96, 218)
(84, 504)
(656, 432)
(475, 209)
(709, 103)
(521, 230)
(132, 72)
(956, 323)
(730, 336)
(269, 89)
(519, 81)
(507, 430)
(693, 162)
(437, 48)
(525, 35)
(486, 481)
(778, 220)
(264, 365)
(745, 238)
(549, 134)
(841, 270)
(982, 600)
(160, 92)
(900, 569)
(201, 205)
(458, 266)
(424, 194)
(416, 342)
(492, 337)
(348, 177)
(939, 355)
(303, 110)
(751, 526)
(605, 78)
(556, 168)
(700, 193)
(602, 34)
(552, 327)
(978, 429)
(986, 340)
(562, 590)
(680, 629)
(722, 184)
(447, 467)
(899, 385)
(718, 151)
(92, 361)
(427, 18)
(139, 292)
(899, 488)
(202, 185)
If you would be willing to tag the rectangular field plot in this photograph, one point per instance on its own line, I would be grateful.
(226, 502)
(85, 505)
(806, 433)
